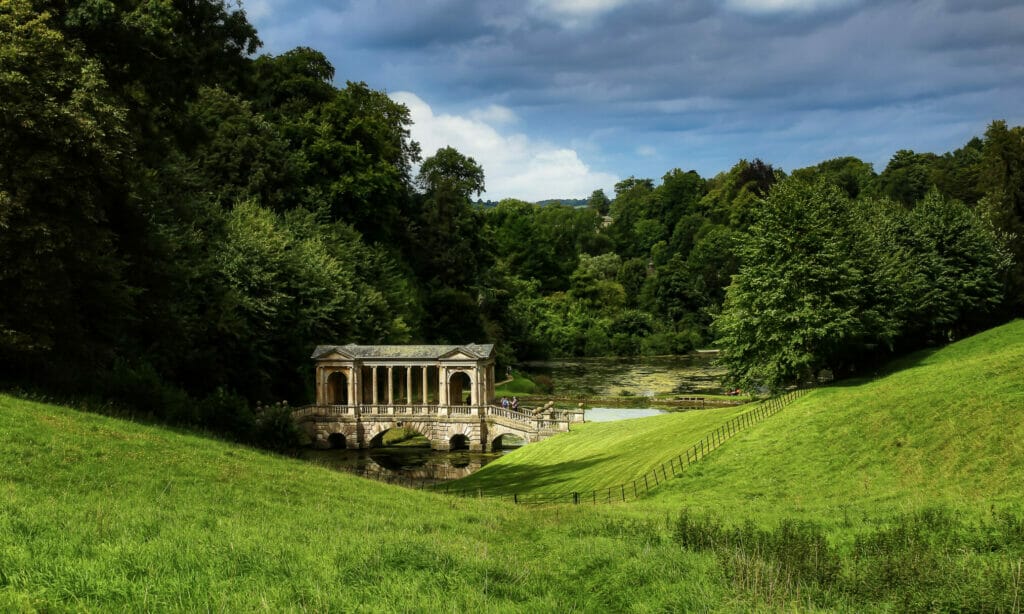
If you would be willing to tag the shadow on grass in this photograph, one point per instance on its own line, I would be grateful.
(512, 478)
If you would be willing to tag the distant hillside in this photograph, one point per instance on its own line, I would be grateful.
(572, 202)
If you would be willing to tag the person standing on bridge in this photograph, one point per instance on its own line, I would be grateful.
(515, 403)
(504, 402)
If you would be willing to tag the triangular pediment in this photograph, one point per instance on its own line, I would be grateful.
(459, 355)
(331, 352)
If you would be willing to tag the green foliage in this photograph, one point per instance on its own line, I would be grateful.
(848, 173)
(825, 282)
(909, 563)
(63, 144)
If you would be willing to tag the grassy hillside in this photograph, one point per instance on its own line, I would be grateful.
(943, 426)
(940, 427)
(597, 454)
(898, 494)
(101, 514)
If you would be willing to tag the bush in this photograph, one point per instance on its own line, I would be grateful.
(925, 562)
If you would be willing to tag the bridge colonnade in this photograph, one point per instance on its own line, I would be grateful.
(444, 392)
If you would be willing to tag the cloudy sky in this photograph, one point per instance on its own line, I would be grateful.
(556, 98)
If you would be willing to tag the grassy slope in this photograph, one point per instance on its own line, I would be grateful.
(101, 514)
(597, 454)
(944, 426)
(97, 513)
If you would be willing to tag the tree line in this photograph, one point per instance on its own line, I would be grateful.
(182, 220)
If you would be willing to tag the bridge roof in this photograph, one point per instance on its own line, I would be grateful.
(404, 352)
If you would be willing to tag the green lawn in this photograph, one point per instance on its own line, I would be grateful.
(597, 454)
(897, 494)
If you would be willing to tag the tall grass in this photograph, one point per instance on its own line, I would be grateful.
(932, 560)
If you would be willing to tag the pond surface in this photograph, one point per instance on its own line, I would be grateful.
(639, 376)
(403, 462)
(612, 414)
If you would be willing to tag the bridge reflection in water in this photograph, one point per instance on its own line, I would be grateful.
(406, 464)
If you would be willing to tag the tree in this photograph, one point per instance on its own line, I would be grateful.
(63, 148)
(907, 177)
(851, 174)
(599, 203)
(1001, 178)
(799, 303)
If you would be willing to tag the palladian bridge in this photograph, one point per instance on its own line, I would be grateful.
(444, 392)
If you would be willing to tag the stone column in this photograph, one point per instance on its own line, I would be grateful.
(408, 385)
(474, 392)
(442, 386)
(425, 398)
(391, 387)
(351, 387)
(321, 387)
(375, 385)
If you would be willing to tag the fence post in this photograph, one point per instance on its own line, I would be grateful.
(635, 496)
(656, 482)
(663, 474)
(575, 498)
(647, 486)
(515, 498)
(623, 486)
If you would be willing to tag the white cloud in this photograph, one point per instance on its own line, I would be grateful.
(646, 151)
(494, 114)
(574, 13)
(515, 165)
(782, 6)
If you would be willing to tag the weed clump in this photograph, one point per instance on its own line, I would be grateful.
(932, 560)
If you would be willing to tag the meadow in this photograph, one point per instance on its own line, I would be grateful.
(897, 493)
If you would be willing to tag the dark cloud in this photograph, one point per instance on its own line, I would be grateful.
(668, 72)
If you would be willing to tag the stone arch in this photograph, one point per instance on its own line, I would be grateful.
(458, 441)
(374, 434)
(459, 383)
(337, 388)
(337, 441)
(496, 431)
(503, 440)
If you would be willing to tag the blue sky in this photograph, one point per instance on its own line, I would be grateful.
(556, 98)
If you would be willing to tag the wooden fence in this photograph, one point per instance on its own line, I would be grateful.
(643, 484)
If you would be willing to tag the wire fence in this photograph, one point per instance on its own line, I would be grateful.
(653, 478)
(619, 493)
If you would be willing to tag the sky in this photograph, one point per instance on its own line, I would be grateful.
(558, 98)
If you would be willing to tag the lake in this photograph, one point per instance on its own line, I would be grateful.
(693, 374)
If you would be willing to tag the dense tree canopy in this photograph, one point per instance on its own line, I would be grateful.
(181, 221)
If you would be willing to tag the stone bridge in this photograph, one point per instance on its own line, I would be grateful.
(448, 427)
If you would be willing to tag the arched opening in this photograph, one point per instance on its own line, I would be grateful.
(399, 437)
(508, 441)
(458, 442)
(337, 441)
(337, 389)
(460, 389)
(400, 449)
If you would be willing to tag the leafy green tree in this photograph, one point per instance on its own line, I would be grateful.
(677, 196)
(851, 174)
(907, 177)
(800, 301)
(1001, 178)
(64, 141)
(599, 202)
(732, 197)
(963, 259)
